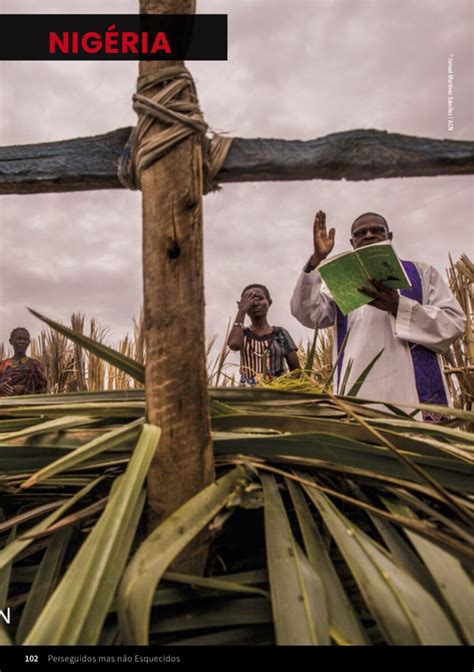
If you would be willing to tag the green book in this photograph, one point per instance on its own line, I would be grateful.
(345, 272)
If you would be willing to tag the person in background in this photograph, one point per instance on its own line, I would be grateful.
(21, 374)
(265, 350)
(412, 327)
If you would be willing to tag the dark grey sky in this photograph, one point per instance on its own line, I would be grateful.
(298, 70)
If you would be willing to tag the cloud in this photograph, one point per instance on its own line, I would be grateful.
(298, 69)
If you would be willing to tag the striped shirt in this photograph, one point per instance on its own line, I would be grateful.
(264, 355)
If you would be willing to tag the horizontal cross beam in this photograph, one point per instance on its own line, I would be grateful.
(91, 163)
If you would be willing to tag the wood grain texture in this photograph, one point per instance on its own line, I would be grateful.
(91, 162)
(173, 277)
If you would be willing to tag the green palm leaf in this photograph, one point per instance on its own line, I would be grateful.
(77, 609)
(106, 442)
(14, 548)
(44, 583)
(404, 611)
(158, 551)
(345, 625)
(354, 391)
(298, 599)
(414, 587)
(449, 575)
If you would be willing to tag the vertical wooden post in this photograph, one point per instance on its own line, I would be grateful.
(176, 379)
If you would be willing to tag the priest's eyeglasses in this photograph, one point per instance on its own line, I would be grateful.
(376, 230)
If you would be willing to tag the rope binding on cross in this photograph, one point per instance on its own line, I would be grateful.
(173, 103)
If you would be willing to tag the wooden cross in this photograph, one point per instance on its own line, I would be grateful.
(176, 381)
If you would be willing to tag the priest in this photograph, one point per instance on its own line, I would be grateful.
(412, 327)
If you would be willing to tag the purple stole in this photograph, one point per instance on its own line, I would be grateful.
(428, 376)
